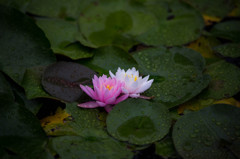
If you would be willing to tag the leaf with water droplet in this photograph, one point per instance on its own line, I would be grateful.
(137, 127)
(214, 127)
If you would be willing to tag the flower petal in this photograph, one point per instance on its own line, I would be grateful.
(108, 108)
(134, 95)
(121, 98)
(101, 104)
(91, 104)
(88, 91)
(111, 100)
(111, 74)
(145, 86)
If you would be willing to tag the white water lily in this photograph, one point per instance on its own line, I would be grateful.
(134, 84)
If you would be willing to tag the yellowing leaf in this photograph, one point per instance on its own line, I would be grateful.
(209, 20)
(197, 104)
(57, 118)
(204, 46)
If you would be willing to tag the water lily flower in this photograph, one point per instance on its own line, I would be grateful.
(134, 84)
(106, 93)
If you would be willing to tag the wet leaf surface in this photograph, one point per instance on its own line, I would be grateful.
(209, 132)
(138, 121)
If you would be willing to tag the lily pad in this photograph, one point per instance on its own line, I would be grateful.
(62, 80)
(23, 44)
(113, 23)
(228, 50)
(217, 8)
(91, 147)
(75, 121)
(138, 121)
(177, 23)
(229, 30)
(61, 34)
(224, 80)
(165, 148)
(110, 58)
(209, 132)
(66, 9)
(32, 83)
(17, 4)
(177, 72)
(6, 93)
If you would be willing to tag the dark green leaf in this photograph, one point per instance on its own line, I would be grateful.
(224, 80)
(138, 121)
(90, 148)
(62, 80)
(110, 58)
(6, 93)
(177, 24)
(210, 132)
(228, 50)
(23, 44)
(177, 72)
(229, 30)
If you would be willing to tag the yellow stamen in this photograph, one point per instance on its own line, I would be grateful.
(109, 87)
(135, 78)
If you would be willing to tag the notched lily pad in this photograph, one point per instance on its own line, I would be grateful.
(211, 132)
(62, 80)
(178, 73)
(138, 121)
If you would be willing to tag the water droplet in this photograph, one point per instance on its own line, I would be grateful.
(218, 123)
(196, 130)
(193, 135)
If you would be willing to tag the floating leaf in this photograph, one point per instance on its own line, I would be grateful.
(217, 8)
(224, 80)
(6, 93)
(228, 50)
(74, 121)
(62, 80)
(110, 58)
(229, 30)
(92, 147)
(32, 83)
(177, 72)
(66, 9)
(165, 148)
(113, 23)
(209, 132)
(198, 103)
(61, 35)
(17, 4)
(138, 121)
(177, 24)
(21, 39)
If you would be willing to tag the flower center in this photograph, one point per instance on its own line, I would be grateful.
(131, 76)
(109, 87)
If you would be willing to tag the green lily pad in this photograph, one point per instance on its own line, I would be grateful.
(224, 80)
(138, 121)
(209, 132)
(177, 24)
(62, 80)
(165, 148)
(177, 72)
(21, 132)
(216, 8)
(229, 30)
(110, 58)
(23, 44)
(17, 4)
(61, 35)
(32, 83)
(228, 50)
(66, 9)
(91, 147)
(82, 122)
(6, 93)
(113, 23)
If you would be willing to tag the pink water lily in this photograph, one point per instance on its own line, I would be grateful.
(106, 93)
